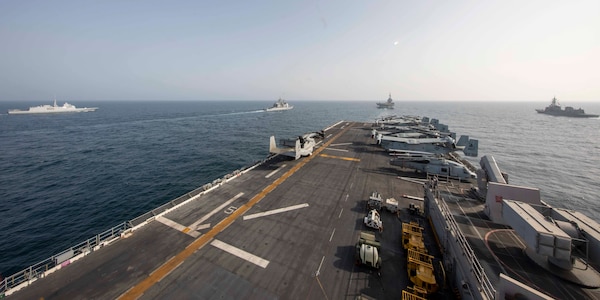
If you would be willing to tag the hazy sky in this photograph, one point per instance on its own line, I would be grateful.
(316, 50)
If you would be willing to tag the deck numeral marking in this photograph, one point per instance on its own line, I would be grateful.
(230, 210)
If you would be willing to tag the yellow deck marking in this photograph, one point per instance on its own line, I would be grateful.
(216, 210)
(340, 157)
(166, 268)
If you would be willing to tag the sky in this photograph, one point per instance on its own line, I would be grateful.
(300, 50)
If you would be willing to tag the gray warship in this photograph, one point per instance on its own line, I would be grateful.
(388, 104)
(555, 109)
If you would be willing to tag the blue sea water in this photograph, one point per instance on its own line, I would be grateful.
(65, 178)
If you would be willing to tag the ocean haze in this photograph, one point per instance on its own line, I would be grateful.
(66, 177)
(154, 50)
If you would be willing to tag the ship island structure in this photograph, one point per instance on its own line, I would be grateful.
(346, 221)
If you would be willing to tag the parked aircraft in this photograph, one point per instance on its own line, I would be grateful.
(401, 121)
(402, 133)
(435, 166)
(301, 146)
(442, 145)
(412, 155)
(411, 121)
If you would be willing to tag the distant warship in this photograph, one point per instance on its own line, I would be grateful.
(556, 110)
(280, 105)
(388, 104)
(49, 109)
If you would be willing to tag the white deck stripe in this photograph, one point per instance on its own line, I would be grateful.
(275, 211)
(216, 210)
(170, 223)
(277, 170)
(241, 253)
(203, 226)
(177, 226)
(340, 144)
(343, 150)
(320, 265)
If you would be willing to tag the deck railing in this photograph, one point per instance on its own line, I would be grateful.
(486, 286)
(64, 258)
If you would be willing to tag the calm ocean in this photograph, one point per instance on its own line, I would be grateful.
(65, 178)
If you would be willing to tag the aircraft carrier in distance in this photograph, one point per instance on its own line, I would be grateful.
(289, 228)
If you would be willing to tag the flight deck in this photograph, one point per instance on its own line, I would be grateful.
(286, 229)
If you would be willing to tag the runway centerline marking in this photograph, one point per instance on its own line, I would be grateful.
(276, 170)
(332, 233)
(263, 263)
(275, 211)
(216, 210)
(161, 272)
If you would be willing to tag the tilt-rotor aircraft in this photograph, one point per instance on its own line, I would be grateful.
(298, 147)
